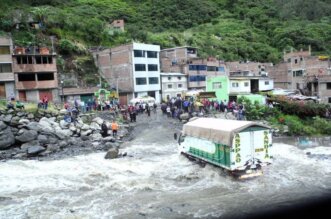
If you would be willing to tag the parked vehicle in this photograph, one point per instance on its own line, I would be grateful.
(239, 147)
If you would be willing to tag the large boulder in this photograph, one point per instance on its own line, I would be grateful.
(21, 114)
(85, 127)
(23, 121)
(34, 126)
(96, 137)
(7, 118)
(34, 150)
(184, 116)
(62, 134)
(29, 144)
(112, 153)
(27, 135)
(2, 125)
(98, 120)
(7, 138)
(30, 116)
(43, 139)
(64, 124)
(95, 126)
(14, 121)
(85, 133)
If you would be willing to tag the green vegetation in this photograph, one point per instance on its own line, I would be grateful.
(298, 120)
(256, 30)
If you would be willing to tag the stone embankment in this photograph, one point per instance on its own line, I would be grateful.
(45, 135)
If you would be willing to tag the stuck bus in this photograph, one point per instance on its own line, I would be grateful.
(239, 147)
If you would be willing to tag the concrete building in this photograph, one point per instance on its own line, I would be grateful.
(249, 77)
(309, 74)
(220, 85)
(7, 80)
(133, 69)
(173, 85)
(117, 25)
(35, 74)
(185, 60)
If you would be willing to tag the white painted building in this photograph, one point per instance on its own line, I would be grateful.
(244, 85)
(240, 85)
(146, 70)
(173, 84)
(266, 84)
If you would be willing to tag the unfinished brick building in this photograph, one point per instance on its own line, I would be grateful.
(35, 73)
(185, 60)
(310, 74)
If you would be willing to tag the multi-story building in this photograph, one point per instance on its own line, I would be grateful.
(133, 69)
(7, 81)
(173, 85)
(310, 74)
(185, 60)
(35, 73)
(249, 77)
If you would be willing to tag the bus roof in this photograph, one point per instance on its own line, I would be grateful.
(220, 131)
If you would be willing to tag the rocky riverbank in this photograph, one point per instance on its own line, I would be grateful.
(45, 135)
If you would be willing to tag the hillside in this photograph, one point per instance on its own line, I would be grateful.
(256, 30)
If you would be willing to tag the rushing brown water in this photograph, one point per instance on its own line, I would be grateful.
(154, 181)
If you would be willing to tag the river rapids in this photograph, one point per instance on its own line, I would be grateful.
(154, 181)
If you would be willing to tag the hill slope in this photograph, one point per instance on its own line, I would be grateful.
(256, 30)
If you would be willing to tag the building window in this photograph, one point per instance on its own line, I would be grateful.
(152, 67)
(298, 73)
(169, 86)
(329, 99)
(5, 68)
(4, 50)
(266, 83)
(179, 86)
(288, 60)
(154, 80)
(295, 61)
(141, 81)
(179, 78)
(235, 84)
(169, 78)
(151, 54)
(328, 86)
(197, 67)
(221, 69)
(197, 78)
(140, 67)
(211, 68)
(139, 53)
(26, 77)
(301, 59)
(217, 85)
(246, 84)
(45, 76)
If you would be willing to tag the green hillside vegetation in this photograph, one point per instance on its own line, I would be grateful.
(256, 30)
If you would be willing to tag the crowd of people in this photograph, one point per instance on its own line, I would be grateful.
(174, 107)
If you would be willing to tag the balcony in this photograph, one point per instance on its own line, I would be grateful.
(33, 50)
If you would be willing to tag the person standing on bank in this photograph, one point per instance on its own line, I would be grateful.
(114, 128)
(104, 129)
(148, 109)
